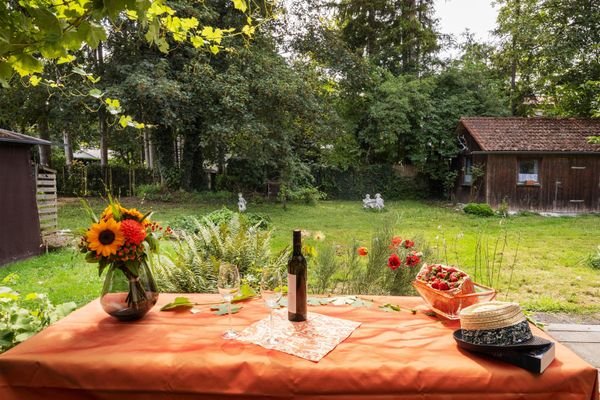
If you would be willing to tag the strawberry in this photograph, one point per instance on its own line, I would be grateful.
(443, 286)
(435, 284)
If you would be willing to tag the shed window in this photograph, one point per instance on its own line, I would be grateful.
(528, 172)
(468, 175)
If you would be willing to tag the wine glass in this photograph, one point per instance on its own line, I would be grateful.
(270, 291)
(228, 283)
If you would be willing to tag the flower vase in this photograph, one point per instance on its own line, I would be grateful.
(129, 290)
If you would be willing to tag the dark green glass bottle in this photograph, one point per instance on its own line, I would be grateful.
(297, 308)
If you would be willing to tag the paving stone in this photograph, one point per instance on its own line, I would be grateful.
(584, 340)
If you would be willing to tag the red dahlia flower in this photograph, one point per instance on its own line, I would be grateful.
(396, 241)
(362, 251)
(134, 231)
(412, 259)
(394, 262)
(408, 244)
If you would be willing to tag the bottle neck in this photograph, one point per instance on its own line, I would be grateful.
(297, 243)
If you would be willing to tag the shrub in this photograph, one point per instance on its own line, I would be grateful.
(480, 209)
(22, 317)
(594, 259)
(194, 265)
(224, 215)
(306, 194)
(153, 192)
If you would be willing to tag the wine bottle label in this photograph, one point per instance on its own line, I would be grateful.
(292, 293)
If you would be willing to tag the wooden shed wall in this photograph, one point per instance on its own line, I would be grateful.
(567, 183)
(19, 223)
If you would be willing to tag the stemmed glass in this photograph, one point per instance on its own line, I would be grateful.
(270, 291)
(228, 283)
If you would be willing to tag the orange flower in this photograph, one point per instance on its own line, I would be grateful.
(134, 231)
(396, 241)
(362, 251)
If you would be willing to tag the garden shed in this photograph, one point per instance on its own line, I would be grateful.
(538, 164)
(19, 222)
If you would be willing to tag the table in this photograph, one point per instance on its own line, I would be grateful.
(180, 355)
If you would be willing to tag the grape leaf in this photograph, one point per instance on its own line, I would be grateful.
(96, 93)
(221, 309)
(179, 302)
(313, 301)
(240, 5)
(361, 303)
(246, 292)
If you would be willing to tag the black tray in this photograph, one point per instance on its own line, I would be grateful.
(533, 343)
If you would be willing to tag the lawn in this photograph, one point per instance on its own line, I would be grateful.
(550, 272)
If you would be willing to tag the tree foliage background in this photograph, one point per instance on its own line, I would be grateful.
(263, 92)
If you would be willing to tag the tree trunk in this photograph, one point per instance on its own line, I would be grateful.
(102, 124)
(163, 137)
(68, 149)
(147, 153)
(514, 101)
(45, 150)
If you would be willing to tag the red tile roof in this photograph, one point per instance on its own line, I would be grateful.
(533, 134)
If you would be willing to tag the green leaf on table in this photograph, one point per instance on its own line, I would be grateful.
(361, 303)
(389, 307)
(179, 302)
(343, 300)
(246, 292)
(314, 301)
(221, 309)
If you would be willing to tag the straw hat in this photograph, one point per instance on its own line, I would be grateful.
(497, 323)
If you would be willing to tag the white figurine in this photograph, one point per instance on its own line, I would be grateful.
(367, 201)
(378, 202)
(241, 203)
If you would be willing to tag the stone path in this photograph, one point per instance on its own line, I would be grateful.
(584, 340)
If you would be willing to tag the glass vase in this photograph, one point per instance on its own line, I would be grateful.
(129, 290)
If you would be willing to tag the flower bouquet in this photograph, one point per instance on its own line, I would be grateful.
(122, 240)
(447, 289)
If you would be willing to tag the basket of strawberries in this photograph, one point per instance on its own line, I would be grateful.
(447, 289)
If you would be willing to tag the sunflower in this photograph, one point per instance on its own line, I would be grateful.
(105, 237)
(132, 213)
(108, 211)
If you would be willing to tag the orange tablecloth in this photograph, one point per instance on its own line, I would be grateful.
(168, 355)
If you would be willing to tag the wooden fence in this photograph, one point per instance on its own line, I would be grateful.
(47, 201)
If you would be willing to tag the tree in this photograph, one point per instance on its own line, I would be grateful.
(398, 35)
(549, 52)
(33, 31)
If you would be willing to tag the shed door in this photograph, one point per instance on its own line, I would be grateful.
(577, 191)
(559, 186)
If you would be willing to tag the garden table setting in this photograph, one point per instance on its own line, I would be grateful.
(408, 354)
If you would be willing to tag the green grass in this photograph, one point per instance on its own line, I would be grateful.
(550, 273)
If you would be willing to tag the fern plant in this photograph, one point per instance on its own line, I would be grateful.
(194, 262)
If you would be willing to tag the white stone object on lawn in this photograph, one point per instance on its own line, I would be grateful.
(241, 203)
(379, 202)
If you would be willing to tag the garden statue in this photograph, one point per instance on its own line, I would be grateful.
(367, 201)
(378, 202)
(241, 203)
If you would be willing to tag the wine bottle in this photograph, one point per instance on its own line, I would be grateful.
(297, 307)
